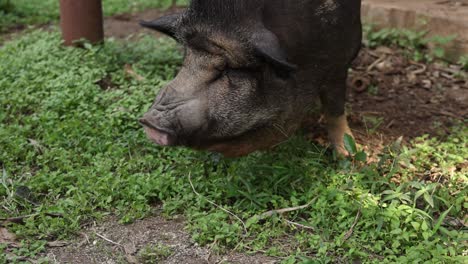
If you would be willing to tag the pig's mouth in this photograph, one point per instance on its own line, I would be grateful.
(250, 141)
(159, 136)
(260, 138)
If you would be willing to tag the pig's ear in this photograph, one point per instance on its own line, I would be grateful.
(166, 25)
(267, 46)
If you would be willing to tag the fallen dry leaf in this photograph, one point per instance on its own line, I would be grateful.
(130, 248)
(129, 70)
(6, 236)
(131, 259)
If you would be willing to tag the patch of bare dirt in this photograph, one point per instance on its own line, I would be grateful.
(120, 26)
(394, 96)
(453, 3)
(19, 29)
(125, 25)
(112, 242)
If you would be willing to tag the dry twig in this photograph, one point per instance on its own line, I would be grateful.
(379, 60)
(20, 219)
(299, 225)
(350, 231)
(286, 210)
(108, 240)
(218, 206)
(422, 68)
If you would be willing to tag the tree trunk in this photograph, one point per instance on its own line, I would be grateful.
(81, 20)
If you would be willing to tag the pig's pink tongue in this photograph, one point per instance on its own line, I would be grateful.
(158, 137)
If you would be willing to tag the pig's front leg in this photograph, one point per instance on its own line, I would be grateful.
(337, 128)
(333, 98)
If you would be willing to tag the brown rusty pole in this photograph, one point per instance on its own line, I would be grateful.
(81, 19)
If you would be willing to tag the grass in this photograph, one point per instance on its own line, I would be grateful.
(154, 253)
(27, 12)
(463, 61)
(416, 44)
(71, 152)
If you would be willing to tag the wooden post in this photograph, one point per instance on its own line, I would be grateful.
(81, 19)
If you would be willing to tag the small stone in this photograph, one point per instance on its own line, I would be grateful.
(460, 96)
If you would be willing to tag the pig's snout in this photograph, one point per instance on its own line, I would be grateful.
(176, 124)
(156, 133)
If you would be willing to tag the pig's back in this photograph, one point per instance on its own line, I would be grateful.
(316, 31)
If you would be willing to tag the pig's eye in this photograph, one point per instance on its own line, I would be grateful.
(220, 73)
(243, 69)
(227, 71)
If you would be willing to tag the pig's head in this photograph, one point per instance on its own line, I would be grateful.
(234, 93)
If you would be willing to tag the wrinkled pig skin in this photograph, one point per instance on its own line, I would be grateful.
(252, 69)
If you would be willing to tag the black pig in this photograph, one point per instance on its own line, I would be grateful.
(252, 69)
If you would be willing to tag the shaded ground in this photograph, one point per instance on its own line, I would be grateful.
(389, 96)
(122, 26)
(412, 99)
(119, 26)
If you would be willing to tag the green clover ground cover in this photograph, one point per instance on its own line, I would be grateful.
(24, 12)
(71, 152)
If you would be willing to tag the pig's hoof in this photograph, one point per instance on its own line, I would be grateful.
(341, 152)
